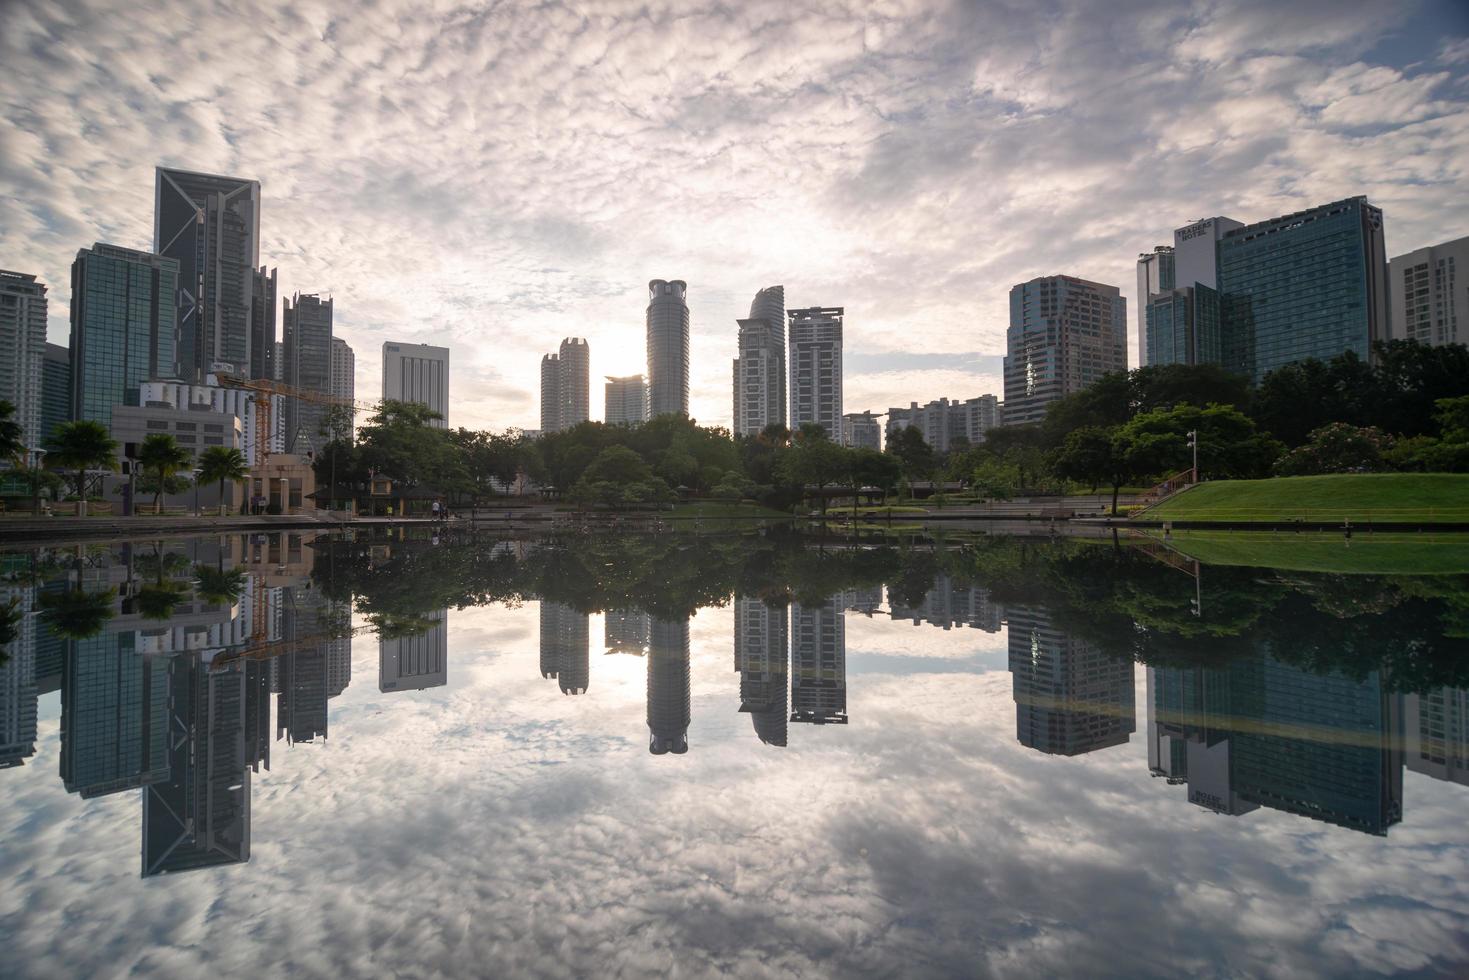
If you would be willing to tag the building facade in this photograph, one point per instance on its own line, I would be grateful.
(1154, 275)
(759, 382)
(668, 348)
(943, 423)
(565, 386)
(626, 401)
(1064, 334)
(210, 226)
(761, 636)
(862, 430)
(210, 397)
(416, 662)
(1183, 326)
(1070, 696)
(418, 373)
(23, 349)
(669, 708)
(819, 663)
(123, 331)
(263, 341)
(343, 372)
(1430, 289)
(816, 368)
(308, 364)
(55, 390)
(1312, 284)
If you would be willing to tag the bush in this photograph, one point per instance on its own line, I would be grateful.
(1338, 448)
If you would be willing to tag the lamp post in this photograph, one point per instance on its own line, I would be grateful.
(37, 455)
(197, 471)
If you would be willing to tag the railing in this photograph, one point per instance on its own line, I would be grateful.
(1179, 481)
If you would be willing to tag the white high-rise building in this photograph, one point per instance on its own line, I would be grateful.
(1428, 289)
(760, 369)
(627, 401)
(1155, 274)
(343, 371)
(861, 430)
(565, 386)
(418, 373)
(22, 349)
(1195, 253)
(416, 662)
(943, 421)
(668, 348)
(816, 368)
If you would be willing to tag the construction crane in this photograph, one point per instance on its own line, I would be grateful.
(264, 408)
(267, 650)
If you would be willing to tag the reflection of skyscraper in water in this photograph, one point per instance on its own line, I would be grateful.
(1258, 732)
(114, 715)
(338, 649)
(668, 686)
(1070, 697)
(626, 631)
(819, 663)
(301, 712)
(865, 600)
(1436, 733)
(199, 816)
(760, 636)
(416, 661)
(565, 645)
(949, 604)
(18, 683)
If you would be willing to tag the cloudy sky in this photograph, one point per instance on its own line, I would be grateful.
(495, 177)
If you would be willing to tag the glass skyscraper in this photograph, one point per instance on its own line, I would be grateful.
(1183, 326)
(123, 328)
(668, 348)
(308, 364)
(1304, 285)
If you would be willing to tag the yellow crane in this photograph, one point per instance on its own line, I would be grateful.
(264, 407)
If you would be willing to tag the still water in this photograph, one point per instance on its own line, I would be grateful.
(740, 753)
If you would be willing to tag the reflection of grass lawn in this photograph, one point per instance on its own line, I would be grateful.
(1327, 551)
(1357, 497)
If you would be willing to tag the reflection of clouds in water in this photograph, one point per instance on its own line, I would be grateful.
(498, 826)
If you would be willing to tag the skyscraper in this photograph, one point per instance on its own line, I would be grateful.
(1303, 285)
(565, 388)
(262, 323)
(1154, 275)
(307, 346)
(761, 633)
(22, 349)
(668, 348)
(418, 373)
(122, 327)
(819, 663)
(1064, 334)
(1430, 294)
(343, 372)
(626, 631)
(1070, 697)
(816, 369)
(18, 683)
(416, 661)
(627, 400)
(760, 368)
(861, 430)
(210, 226)
(114, 715)
(1436, 733)
(565, 647)
(55, 390)
(1183, 326)
(1196, 253)
(668, 686)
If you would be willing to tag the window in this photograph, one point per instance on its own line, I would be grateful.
(155, 424)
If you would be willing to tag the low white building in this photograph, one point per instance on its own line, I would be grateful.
(210, 396)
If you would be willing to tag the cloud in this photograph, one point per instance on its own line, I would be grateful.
(498, 178)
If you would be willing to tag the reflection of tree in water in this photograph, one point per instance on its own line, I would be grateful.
(77, 614)
(219, 586)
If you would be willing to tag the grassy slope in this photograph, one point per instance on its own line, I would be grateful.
(1328, 551)
(1358, 497)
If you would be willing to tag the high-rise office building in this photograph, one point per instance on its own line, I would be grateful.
(122, 327)
(949, 604)
(627, 631)
(861, 430)
(343, 372)
(668, 348)
(278, 362)
(301, 711)
(760, 369)
(114, 715)
(943, 423)
(565, 647)
(1064, 334)
(815, 337)
(18, 683)
(1312, 284)
(1430, 291)
(627, 400)
(263, 341)
(1436, 733)
(1154, 275)
(210, 226)
(1070, 697)
(1183, 326)
(1196, 253)
(55, 390)
(819, 663)
(416, 661)
(761, 635)
(565, 388)
(23, 349)
(307, 322)
(668, 686)
(418, 373)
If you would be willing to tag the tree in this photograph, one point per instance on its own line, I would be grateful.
(1338, 448)
(914, 454)
(399, 442)
(162, 456)
(12, 441)
(1230, 447)
(813, 461)
(1094, 456)
(221, 464)
(1295, 400)
(870, 468)
(80, 446)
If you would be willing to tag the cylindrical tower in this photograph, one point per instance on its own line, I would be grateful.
(668, 686)
(668, 348)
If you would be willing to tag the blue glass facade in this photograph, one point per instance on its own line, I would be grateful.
(114, 719)
(1183, 327)
(55, 390)
(1309, 284)
(123, 331)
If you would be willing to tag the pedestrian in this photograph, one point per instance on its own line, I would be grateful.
(436, 510)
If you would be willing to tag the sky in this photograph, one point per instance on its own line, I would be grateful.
(497, 177)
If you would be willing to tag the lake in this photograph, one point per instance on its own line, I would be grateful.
(746, 752)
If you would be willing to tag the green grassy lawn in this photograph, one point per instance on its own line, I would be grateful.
(1356, 497)
(1328, 551)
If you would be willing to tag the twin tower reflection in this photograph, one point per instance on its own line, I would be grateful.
(176, 703)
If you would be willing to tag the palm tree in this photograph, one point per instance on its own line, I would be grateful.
(77, 614)
(11, 435)
(80, 446)
(161, 454)
(218, 586)
(222, 463)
